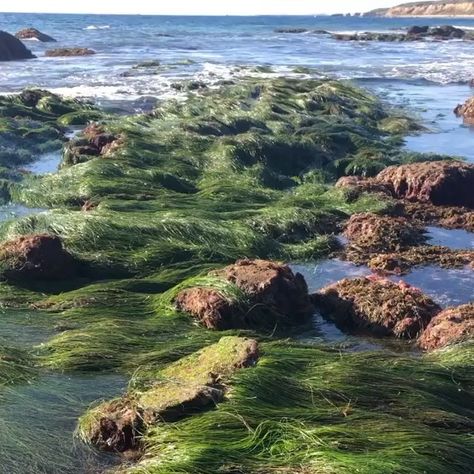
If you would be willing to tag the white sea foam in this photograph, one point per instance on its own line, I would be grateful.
(97, 27)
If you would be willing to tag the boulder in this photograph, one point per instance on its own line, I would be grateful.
(417, 30)
(59, 52)
(451, 326)
(448, 183)
(466, 110)
(447, 32)
(36, 256)
(376, 306)
(34, 34)
(373, 233)
(192, 384)
(12, 49)
(270, 294)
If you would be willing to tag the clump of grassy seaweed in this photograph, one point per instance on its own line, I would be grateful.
(242, 171)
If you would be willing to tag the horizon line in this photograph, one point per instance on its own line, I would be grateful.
(185, 14)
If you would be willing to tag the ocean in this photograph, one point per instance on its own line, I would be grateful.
(428, 77)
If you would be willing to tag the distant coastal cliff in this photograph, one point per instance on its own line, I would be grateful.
(430, 8)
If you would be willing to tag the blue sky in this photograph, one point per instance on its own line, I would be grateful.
(193, 7)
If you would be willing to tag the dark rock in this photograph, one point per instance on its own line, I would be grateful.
(448, 183)
(451, 326)
(37, 256)
(273, 295)
(377, 306)
(418, 30)
(447, 32)
(60, 52)
(12, 49)
(34, 34)
(291, 30)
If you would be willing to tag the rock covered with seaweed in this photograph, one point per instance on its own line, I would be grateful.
(250, 293)
(377, 306)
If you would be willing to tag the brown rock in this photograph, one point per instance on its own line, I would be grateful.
(59, 52)
(372, 233)
(451, 326)
(466, 110)
(272, 293)
(377, 306)
(34, 34)
(400, 262)
(360, 185)
(447, 183)
(12, 49)
(119, 427)
(37, 256)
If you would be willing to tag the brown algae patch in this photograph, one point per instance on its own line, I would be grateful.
(377, 306)
(189, 385)
(451, 326)
(401, 262)
(373, 233)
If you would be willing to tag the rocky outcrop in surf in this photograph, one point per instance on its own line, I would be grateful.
(34, 34)
(12, 49)
(67, 52)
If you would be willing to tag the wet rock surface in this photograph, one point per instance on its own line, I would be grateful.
(371, 232)
(188, 386)
(466, 110)
(38, 256)
(414, 33)
(12, 49)
(399, 263)
(448, 183)
(451, 326)
(271, 295)
(34, 34)
(68, 52)
(377, 306)
(94, 141)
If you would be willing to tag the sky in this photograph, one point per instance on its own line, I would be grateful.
(195, 7)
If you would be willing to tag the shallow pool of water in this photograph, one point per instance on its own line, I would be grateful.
(14, 211)
(434, 105)
(38, 419)
(453, 238)
(47, 163)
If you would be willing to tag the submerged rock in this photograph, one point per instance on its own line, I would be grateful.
(466, 110)
(451, 326)
(291, 30)
(187, 386)
(270, 294)
(372, 233)
(449, 183)
(69, 52)
(12, 49)
(34, 34)
(377, 306)
(400, 262)
(37, 256)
